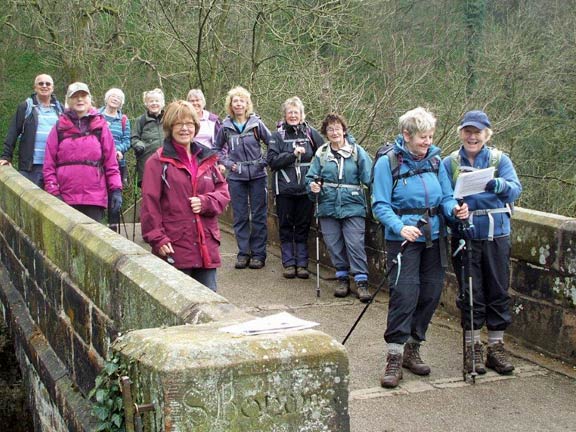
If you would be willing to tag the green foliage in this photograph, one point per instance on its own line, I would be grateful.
(367, 59)
(108, 403)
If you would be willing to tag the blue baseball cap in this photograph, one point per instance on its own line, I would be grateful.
(478, 119)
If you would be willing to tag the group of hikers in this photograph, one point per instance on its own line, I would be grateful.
(191, 165)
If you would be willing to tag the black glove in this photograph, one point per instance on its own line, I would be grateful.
(497, 185)
(138, 150)
(115, 201)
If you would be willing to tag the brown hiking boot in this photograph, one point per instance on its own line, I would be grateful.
(363, 293)
(412, 360)
(289, 272)
(478, 358)
(343, 288)
(393, 372)
(302, 272)
(497, 359)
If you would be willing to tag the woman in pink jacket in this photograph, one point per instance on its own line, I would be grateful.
(183, 193)
(80, 165)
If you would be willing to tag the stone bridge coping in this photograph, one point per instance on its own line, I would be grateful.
(268, 381)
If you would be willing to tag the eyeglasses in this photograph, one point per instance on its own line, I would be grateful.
(181, 125)
(44, 84)
(334, 129)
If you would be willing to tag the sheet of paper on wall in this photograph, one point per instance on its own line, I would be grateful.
(472, 182)
(271, 324)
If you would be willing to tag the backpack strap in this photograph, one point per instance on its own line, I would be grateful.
(124, 121)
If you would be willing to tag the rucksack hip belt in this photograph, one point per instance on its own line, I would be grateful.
(97, 164)
(247, 163)
(430, 211)
(343, 185)
(489, 213)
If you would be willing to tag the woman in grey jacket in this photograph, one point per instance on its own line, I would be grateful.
(147, 134)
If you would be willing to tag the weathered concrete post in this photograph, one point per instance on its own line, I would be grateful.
(205, 380)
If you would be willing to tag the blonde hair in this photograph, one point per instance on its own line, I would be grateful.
(417, 120)
(178, 111)
(295, 102)
(240, 92)
(111, 92)
(154, 93)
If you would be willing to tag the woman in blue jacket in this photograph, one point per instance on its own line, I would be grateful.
(240, 151)
(490, 215)
(410, 183)
(339, 174)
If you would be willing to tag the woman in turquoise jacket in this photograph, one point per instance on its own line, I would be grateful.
(337, 179)
(410, 183)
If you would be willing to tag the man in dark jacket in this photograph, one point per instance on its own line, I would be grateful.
(30, 127)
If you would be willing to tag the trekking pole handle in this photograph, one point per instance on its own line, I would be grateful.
(421, 222)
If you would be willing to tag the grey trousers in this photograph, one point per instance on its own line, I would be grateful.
(344, 239)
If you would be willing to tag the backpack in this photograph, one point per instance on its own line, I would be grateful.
(456, 160)
(282, 132)
(396, 161)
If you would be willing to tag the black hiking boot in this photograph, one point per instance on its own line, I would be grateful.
(412, 360)
(478, 358)
(393, 372)
(497, 359)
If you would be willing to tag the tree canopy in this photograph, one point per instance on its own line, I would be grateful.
(370, 60)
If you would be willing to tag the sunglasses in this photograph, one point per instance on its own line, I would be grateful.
(44, 84)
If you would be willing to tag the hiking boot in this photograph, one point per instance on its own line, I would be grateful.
(412, 360)
(256, 264)
(497, 359)
(289, 272)
(478, 358)
(343, 287)
(242, 262)
(393, 372)
(363, 293)
(302, 272)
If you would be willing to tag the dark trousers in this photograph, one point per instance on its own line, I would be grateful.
(92, 211)
(294, 217)
(206, 277)
(249, 201)
(413, 300)
(35, 175)
(490, 281)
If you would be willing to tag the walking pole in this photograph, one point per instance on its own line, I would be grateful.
(461, 247)
(471, 305)
(395, 261)
(469, 254)
(319, 181)
(135, 186)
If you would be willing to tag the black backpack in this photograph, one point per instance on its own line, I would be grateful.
(396, 159)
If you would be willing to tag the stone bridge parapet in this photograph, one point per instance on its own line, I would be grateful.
(70, 286)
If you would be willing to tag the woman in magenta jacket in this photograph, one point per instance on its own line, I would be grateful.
(80, 165)
(183, 193)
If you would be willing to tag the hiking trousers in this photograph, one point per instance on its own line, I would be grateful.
(344, 239)
(249, 200)
(413, 300)
(490, 282)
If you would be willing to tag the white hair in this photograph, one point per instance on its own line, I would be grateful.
(154, 93)
(116, 91)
